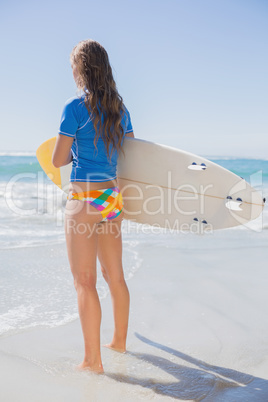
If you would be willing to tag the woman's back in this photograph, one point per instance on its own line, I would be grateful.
(90, 163)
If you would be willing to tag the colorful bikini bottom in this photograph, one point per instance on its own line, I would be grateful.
(108, 201)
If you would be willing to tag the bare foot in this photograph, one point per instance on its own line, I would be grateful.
(97, 368)
(114, 347)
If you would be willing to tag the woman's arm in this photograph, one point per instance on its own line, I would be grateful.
(130, 134)
(62, 154)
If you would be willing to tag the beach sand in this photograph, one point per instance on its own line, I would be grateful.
(198, 331)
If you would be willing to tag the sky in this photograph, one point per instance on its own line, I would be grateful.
(193, 73)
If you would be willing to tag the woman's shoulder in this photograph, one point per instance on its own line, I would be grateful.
(76, 101)
(75, 106)
(125, 113)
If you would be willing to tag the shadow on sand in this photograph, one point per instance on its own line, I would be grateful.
(204, 382)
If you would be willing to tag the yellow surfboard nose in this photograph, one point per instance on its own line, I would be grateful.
(44, 156)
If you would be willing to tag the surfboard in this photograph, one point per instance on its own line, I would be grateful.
(166, 187)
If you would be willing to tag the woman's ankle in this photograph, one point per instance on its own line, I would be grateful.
(93, 364)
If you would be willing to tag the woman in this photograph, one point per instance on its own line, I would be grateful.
(91, 134)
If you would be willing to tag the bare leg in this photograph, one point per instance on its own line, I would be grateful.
(81, 240)
(110, 257)
(90, 317)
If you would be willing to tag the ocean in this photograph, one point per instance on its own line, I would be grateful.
(32, 211)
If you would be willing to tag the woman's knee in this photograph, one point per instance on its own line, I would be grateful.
(116, 278)
(85, 281)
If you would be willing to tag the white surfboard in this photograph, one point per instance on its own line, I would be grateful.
(170, 188)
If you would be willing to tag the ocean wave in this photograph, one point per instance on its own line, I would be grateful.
(38, 290)
(17, 153)
(234, 158)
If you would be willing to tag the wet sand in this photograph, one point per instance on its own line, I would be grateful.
(198, 331)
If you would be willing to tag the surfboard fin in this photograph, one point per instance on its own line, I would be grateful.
(196, 166)
(203, 221)
(233, 205)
